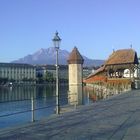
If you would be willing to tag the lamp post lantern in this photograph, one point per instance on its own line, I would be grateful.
(56, 40)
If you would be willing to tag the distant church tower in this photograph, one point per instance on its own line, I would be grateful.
(75, 67)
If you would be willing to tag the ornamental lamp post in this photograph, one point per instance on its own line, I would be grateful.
(56, 40)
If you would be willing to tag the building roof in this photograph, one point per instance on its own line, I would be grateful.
(95, 79)
(124, 56)
(15, 65)
(52, 67)
(101, 69)
(75, 57)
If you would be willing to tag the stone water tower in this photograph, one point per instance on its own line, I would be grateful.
(75, 68)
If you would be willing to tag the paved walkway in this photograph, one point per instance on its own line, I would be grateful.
(117, 118)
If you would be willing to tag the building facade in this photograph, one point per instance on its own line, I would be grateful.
(139, 68)
(63, 71)
(17, 72)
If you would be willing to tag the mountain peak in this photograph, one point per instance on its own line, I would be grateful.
(51, 50)
(48, 56)
(42, 50)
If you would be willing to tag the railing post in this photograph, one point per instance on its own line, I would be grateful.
(76, 100)
(88, 97)
(75, 105)
(32, 109)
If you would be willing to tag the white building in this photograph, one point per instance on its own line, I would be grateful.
(139, 68)
(17, 72)
(136, 72)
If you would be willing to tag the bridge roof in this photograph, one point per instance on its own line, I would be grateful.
(124, 56)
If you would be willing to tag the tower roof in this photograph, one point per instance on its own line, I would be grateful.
(75, 57)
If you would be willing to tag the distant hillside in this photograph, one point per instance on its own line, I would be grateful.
(48, 56)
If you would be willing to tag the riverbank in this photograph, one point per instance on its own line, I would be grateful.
(114, 118)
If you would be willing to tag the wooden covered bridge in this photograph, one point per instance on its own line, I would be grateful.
(112, 74)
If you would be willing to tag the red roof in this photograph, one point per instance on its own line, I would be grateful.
(75, 57)
(96, 79)
(124, 56)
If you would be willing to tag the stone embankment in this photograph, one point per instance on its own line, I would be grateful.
(103, 91)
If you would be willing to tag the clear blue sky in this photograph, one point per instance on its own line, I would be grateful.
(96, 27)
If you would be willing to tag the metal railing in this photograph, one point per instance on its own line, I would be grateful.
(32, 107)
(33, 104)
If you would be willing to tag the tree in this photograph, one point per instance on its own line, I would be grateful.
(40, 78)
(49, 77)
(3, 80)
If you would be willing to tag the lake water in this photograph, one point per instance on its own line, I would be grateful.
(15, 103)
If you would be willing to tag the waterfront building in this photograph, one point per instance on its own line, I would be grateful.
(17, 72)
(87, 71)
(42, 69)
(119, 73)
(139, 68)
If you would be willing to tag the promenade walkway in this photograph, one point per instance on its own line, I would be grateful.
(116, 118)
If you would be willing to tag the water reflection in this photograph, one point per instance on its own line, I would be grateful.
(94, 95)
(18, 99)
(26, 92)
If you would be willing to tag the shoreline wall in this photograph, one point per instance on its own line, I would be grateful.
(106, 90)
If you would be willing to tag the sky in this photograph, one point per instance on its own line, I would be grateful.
(95, 27)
